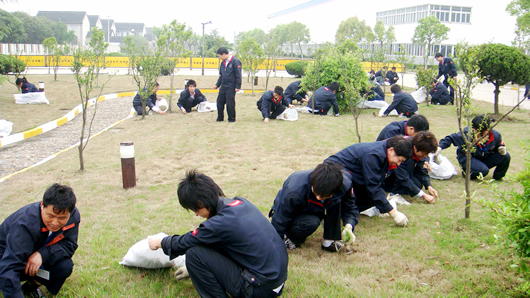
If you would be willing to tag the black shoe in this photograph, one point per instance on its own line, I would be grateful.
(335, 246)
(31, 289)
(231, 121)
(219, 120)
(289, 244)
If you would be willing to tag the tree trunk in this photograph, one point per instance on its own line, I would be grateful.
(301, 53)
(468, 180)
(171, 91)
(496, 102)
(80, 147)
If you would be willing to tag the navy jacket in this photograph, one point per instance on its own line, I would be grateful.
(395, 128)
(296, 198)
(447, 68)
(379, 73)
(28, 87)
(392, 76)
(414, 167)
(376, 89)
(404, 104)
(321, 96)
(292, 92)
(24, 233)
(151, 100)
(441, 94)
(230, 76)
(368, 165)
(185, 95)
(242, 233)
(482, 152)
(267, 103)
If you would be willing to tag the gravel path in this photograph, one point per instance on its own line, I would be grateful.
(28, 152)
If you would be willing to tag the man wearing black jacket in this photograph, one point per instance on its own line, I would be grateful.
(439, 94)
(403, 103)
(323, 99)
(229, 83)
(309, 197)
(272, 104)
(292, 92)
(235, 251)
(37, 243)
(446, 68)
(392, 76)
(190, 97)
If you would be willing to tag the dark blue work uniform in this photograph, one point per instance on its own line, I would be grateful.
(297, 213)
(188, 101)
(229, 80)
(447, 68)
(395, 128)
(271, 107)
(368, 165)
(236, 251)
(485, 157)
(392, 77)
(22, 234)
(380, 77)
(137, 103)
(323, 99)
(292, 92)
(28, 87)
(376, 93)
(440, 95)
(404, 104)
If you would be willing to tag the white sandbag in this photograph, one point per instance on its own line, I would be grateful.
(140, 255)
(6, 127)
(304, 110)
(206, 106)
(162, 104)
(289, 115)
(31, 98)
(372, 104)
(443, 170)
(420, 95)
(383, 109)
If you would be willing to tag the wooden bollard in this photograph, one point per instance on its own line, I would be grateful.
(41, 86)
(128, 171)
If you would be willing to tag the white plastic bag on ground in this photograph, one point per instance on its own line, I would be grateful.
(372, 104)
(370, 212)
(31, 98)
(206, 106)
(140, 255)
(304, 110)
(6, 127)
(289, 115)
(443, 170)
(420, 95)
(383, 109)
(162, 104)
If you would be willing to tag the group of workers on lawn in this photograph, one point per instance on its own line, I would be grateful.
(237, 251)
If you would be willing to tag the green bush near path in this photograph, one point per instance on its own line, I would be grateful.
(439, 255)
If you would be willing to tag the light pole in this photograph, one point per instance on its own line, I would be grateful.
(203, 24)
(108, 29)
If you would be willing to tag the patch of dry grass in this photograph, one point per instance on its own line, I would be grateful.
(440, 254)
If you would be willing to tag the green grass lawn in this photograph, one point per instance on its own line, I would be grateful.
(440, 254)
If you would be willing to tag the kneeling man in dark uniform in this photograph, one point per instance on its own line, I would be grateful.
(235, 252)
(37, 243)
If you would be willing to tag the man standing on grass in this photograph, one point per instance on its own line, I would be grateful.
(37, 243)
(229, 83)
(446, 68)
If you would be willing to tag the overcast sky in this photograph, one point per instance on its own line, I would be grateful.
(232, 16)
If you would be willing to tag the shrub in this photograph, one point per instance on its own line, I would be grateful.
(296, 68)
(10, 64)
(164, 65)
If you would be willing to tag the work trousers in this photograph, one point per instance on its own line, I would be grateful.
(306, 224)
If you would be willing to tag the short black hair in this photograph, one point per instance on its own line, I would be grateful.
(222, 50)
(425, 141)
(372, 71)
(61, 197)
(402, 146)
(334, 86)
(393, 68)
(191, 83)
(434, 81)
(419, 123)
(395, 88)
(197, 191)
(326, 179)
(278, 90)
(481, 122)
(19, 81)
(438, 55)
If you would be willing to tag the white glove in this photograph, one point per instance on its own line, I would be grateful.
(400, 219)
(502, 150)
(438, 151)
(182, 273)
(348, 233)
